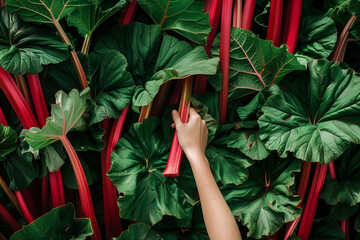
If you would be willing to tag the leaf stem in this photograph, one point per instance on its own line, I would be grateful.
(341, 44)
(145, 112)
(79, 69)
(248, 13)
(86, 44)
(237, 15)
(23, 206)
(160, 100)
(129, 13)
(21, 83)
(7, 218)
(85, 197)
(293, 26)
(10, 195)
(276, 10)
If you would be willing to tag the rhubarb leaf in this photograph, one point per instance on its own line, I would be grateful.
(8, 139)
(228, 165)
(346, 188)
(326, 228)
(316, 115)
(184, 17)
(89, 17)
(65, 115)
(343, 211)
(59, 223)
(43, 11)
(54, 156)
(155, 59)
(26, 48)
(318, 36)
(255, 63)
(264, 202)
(139, 231)
(138, 161)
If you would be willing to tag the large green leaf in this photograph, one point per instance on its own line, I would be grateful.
(228, 165)
(254, 63)
(155, 58)
(316, 116)
(8, 139)
(343, 211)
(185, 17)
(65, 115)
(139, 231)
(264, 202)
(346, 188)
(317, 37)
(59, 223)
(89, 17)
(138, 162)
(44, 11)
(326, 228)
(25, 48)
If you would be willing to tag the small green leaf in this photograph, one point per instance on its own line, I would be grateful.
(65, 115)
(59, 223)
(263, 18)
(139, 231)
(255, 63)
(89, 17)
(43, 11)
(54, 156)
(138, 162)
(315, 115)
(264, 202)
(8, 139)
(185, 17)
(26, 48)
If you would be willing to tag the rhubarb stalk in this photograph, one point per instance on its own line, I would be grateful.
(129, 13)
(237, 15)
(174, 160)
(8, 219)
(293, 26)
(10, 195)
(248, 13)
(341, 43)
(273, 33)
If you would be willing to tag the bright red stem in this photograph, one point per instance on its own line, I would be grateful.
(313, 199)
(174, 160)
(273, 33)
(214, 9)
(248, 13)
(224, 57)
(83, 186)
(294, 22)
(23, 206)
(129, 13)
(54, 190)
(8, 219)
(345, 228)
(2, 118)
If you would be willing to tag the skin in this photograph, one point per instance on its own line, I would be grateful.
(219, 221)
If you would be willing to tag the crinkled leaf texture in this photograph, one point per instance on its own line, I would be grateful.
(59, 223)
(254, 63)
(43, 11)
(185, 17)
(139, 231)
(316, 116)
(155, 58)
(89, 17)
(138, 162)
(26, 48)
(111, 86)
(264, 202)
(8, 139)
(346, 188)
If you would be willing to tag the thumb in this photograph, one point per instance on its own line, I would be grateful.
(176, 117)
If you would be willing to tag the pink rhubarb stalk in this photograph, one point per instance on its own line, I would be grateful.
(224, 57)
(27, 215)
(248, 13)
(237, 15)
(293, 26)
(174, 160)
(273, 33)
(8, 219)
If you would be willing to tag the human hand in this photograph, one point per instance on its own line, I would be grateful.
(192, 135)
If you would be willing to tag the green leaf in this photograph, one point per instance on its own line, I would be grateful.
(346, 188)
(251, 109)
(65, 115)
(263, 18)
(326, 228)
(228, 165)
(342, 211)
(89, 17)
(185, 17)
(255, 63)
(43, 11)
(138, 162)
(139, 231)
(8, 139)
(155, 59)
(54, 156)
(264, 202)
(26, 48)
(317, 37)
(315, 116)
(59, 223)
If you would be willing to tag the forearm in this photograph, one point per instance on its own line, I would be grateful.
(218, 218)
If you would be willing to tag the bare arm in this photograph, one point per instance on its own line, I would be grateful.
(219, 221)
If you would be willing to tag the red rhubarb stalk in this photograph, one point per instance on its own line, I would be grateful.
(44, 194)
(2, 118)
(160, 100)
(174, 160)
(23, 206)
(294, 22)
(237, 15)
(341, 43)
(85, 197)
(21, 83)
(129, 13)
(248, 13)
(175, 96)
(8, 219)
(224, 57)
(273, 33)
(10, 194)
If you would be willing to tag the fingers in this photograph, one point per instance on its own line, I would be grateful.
(176, 117)
(193, 114)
